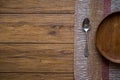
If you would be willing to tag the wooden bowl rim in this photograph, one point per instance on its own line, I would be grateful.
(100, 51)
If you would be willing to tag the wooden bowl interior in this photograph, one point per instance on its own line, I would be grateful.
(108, 37)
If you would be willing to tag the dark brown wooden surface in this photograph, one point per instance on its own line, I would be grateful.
(39, 28)
(36, 76)
(107, 38)
(36, 57)
(37, 6)
(36, 39)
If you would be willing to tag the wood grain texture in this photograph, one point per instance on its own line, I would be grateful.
(37, 6)
(36, 76)
(36, 39)
(107, 38)
(94, 59)
(39, 28)
(43, 19)
(36, 58)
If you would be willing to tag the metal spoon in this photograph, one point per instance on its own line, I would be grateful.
(86, 28)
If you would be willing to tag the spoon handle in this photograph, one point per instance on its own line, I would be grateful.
(86, 45)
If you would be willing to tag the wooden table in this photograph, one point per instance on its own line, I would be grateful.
(36, 39)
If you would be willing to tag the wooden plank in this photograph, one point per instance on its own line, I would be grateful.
(43, 19)
(41, 28)
(37, 6)
(94, 59)
(36, 76)
(36, 58)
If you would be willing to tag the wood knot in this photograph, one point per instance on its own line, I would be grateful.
(57, 26)
(52, 33)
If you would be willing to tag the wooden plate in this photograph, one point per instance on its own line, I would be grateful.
(108, 37)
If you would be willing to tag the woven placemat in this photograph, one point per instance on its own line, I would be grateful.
(82, 11)
(108, 70)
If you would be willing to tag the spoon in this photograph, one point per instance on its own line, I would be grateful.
(86, 28)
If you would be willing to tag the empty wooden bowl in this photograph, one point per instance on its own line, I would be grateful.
(108, 37)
